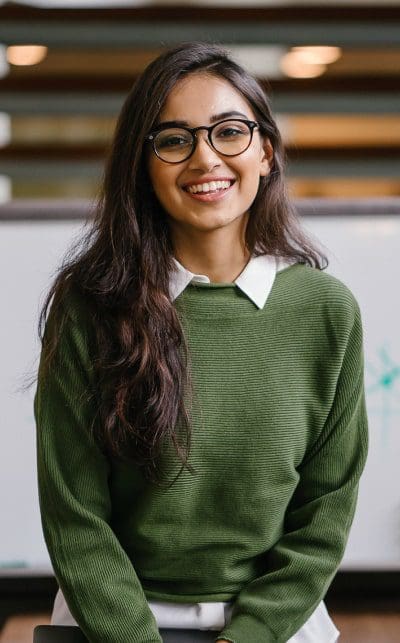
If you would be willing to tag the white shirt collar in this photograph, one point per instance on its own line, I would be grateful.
(255, 280)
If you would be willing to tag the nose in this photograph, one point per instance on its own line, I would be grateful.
(204, 156)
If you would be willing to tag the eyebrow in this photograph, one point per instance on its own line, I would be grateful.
(213, 119)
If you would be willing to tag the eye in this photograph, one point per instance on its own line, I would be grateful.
(231, 131)
(172, 140)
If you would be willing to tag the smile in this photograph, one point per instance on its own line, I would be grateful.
(212, 186)
(209, 192)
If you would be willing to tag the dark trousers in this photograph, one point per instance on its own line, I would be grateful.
(69, 634)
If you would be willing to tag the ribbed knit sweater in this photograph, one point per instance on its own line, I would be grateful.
(279, 444)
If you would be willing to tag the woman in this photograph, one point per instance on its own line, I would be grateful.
(200, 406)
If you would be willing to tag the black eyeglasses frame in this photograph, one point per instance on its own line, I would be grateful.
(252, 125)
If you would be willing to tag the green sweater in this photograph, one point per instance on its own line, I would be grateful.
(279, 444)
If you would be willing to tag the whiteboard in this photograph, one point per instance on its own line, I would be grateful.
(29, 253)
(362, 253)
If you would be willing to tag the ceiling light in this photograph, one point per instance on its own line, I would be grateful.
(293, 65)
(318, 55)
(26, 54)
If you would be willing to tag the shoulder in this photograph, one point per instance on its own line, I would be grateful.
(319, 291)
(69, 314)
(76, 306)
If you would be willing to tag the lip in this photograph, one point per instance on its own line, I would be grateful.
(207, 197)
(208, 179)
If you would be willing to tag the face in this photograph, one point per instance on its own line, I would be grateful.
(197, 100)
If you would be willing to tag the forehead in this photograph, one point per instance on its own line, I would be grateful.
(198, 97)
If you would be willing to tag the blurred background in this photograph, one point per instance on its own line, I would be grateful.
(332, 71)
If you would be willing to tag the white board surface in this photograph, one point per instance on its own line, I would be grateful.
(362, 253)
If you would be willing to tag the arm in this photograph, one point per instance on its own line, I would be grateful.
(96, 577)
(302, 563)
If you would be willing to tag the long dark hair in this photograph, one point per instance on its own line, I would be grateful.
(121, 271)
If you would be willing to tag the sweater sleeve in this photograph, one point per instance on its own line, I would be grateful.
(97, 578)
(303, 562)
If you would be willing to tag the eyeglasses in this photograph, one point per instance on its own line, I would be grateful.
(176, 144)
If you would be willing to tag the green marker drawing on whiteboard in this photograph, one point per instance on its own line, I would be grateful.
(384, 382)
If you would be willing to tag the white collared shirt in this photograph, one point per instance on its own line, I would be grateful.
(255, 281)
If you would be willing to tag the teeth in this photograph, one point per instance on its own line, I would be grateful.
(209, 187)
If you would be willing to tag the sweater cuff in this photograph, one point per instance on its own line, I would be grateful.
(244, 628)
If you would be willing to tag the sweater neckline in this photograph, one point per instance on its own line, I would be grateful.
(228, 302)
(229, 284)
(212, 284)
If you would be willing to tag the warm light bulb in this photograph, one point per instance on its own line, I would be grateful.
(26, 54)
(292, 65)
(318, 54)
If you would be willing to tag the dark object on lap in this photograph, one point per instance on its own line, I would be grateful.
(69, 634)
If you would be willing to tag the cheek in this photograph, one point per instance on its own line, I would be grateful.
(162, 176)
(251, 181)
(250, 174)
(164, 183)
(250, 166)
(157, 179)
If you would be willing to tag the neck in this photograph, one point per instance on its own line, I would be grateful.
(218, 255)
(219, 266)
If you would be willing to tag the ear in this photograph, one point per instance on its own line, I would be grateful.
(267, 157)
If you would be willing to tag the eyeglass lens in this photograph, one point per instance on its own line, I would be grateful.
(229, 138)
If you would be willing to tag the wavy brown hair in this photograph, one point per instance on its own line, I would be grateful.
(122, 268)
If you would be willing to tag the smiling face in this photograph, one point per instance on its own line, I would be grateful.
(208, 190)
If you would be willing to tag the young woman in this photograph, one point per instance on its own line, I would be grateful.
(200, 406)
